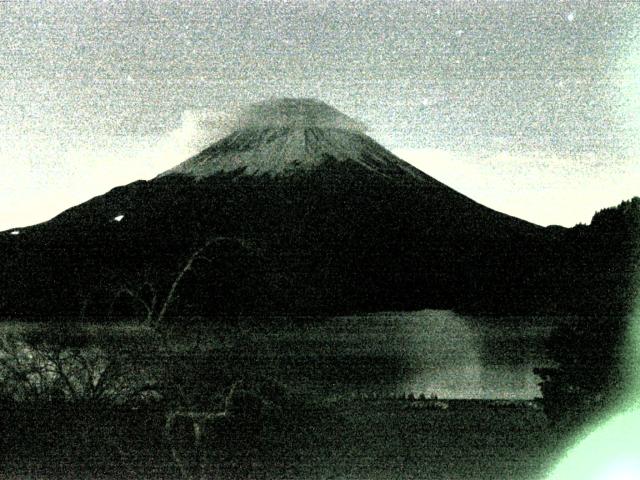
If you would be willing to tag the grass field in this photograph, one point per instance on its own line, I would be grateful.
(343, 439)
(383, 440)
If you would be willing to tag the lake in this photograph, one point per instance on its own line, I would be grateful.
(430, 351)
(426, 352)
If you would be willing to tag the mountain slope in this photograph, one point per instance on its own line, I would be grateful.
(288, 150)
(316, 218)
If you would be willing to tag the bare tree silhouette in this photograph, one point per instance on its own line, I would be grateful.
(153, 301)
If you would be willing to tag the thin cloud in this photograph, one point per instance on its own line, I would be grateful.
(198, 129)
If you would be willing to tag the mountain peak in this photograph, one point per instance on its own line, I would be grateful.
(295, 113)
(284, 136)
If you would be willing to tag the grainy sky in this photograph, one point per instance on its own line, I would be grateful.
(530, 107)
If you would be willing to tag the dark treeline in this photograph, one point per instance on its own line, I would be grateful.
(592, 369)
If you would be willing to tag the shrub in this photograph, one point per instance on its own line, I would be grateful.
(66, 363)
(588, 375)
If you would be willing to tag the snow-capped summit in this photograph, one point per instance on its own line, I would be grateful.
(295, 113)
(281, 137)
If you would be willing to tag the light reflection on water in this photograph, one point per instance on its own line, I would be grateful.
(430, 351)
(472, 357)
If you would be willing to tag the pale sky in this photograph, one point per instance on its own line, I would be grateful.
(529, 107)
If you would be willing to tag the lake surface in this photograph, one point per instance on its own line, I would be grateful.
(426, 352)
(431, 352)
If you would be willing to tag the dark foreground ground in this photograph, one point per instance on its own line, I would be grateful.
(339, 438)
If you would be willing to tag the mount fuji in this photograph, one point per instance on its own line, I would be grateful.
(310, 216)
(289, 136)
